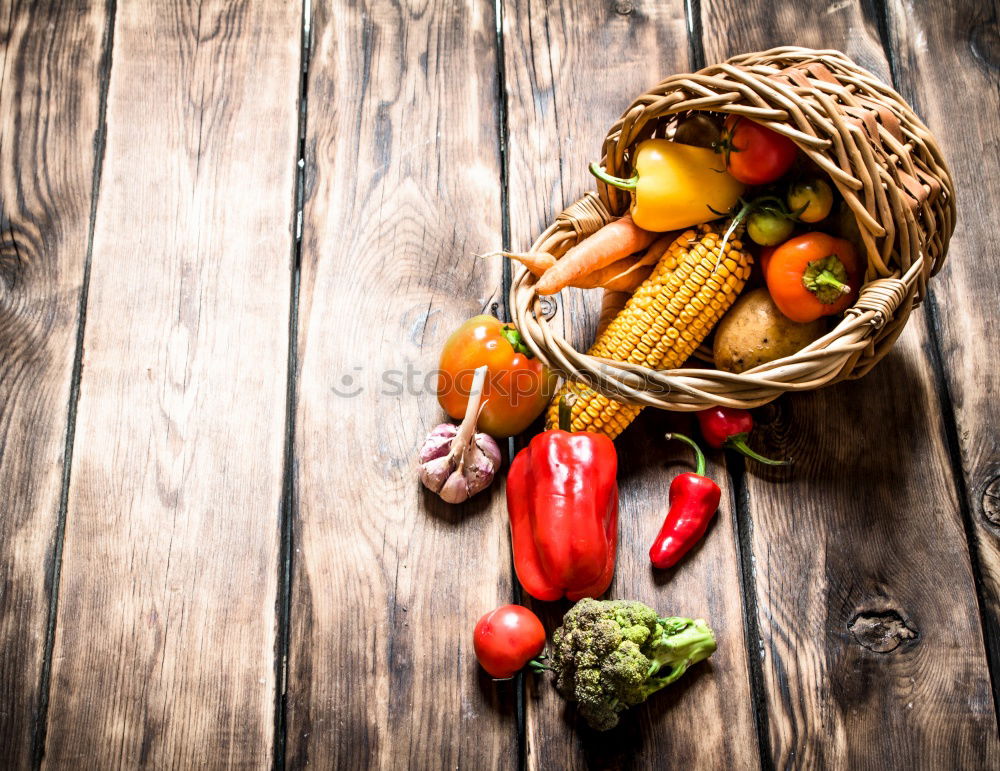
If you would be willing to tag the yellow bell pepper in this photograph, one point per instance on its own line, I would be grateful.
(676, 186)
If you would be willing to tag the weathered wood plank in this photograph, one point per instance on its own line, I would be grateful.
(164, 651)
(946, 56)
(562, 96)
(403, 180)
(873, 650)
(49, 113)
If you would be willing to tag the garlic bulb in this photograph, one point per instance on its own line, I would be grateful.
(456, 462)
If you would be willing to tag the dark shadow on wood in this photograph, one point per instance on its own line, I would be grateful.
(455, 514)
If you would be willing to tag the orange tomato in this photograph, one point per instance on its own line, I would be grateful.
(518, 386)
(813, 275)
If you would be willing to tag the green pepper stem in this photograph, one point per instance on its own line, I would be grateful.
(738, 442)
(619, 182)
(698, 454)
(512, 336)
(826, 278)
(566, 403)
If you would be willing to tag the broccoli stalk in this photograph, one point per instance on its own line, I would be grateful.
(682, 642)
(613, 654)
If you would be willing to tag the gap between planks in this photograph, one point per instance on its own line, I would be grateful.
(520, 707)
(735, 469)
(289, 508)
(100, 138)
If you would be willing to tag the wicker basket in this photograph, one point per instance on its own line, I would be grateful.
(878, 154)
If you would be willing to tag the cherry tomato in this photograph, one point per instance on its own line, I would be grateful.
(813, 196)
(755, 155)
(768, 228)
(518, 386)
(506, 639)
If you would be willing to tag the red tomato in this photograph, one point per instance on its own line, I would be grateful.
(756, 155)
(518, 386)
(506, 639)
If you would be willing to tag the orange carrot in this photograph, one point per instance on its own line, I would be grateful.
(614, 241)
(536, 262)
(621, 275)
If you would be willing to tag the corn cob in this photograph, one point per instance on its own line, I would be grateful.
(664, 321)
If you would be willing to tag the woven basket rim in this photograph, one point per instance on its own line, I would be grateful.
(905, 230)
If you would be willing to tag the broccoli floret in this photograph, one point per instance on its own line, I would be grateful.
(610, 655)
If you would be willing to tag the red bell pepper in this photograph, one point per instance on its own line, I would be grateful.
(694, 499)
(729, 427)
(562, 497)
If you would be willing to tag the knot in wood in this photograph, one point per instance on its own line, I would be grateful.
(881, 631)
(623, 7)
(991, 501)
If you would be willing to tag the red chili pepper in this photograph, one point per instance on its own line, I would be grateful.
(694, 499)
(729, 427)
(562, 497)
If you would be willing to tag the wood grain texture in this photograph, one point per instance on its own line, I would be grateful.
(403, 181)
(49, 114)
(164, 651)
(561, 101)
(948, 55)
(872, 643)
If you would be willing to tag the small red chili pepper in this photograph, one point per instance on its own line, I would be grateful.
(694, 499)
(729, 427)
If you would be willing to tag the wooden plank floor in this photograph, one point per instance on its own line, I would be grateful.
(233, 236)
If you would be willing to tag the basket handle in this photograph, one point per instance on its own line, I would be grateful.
(884, 296)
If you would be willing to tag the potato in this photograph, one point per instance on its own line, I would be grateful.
(754, 331)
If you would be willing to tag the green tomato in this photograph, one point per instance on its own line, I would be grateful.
(813, 197)
(768, 228)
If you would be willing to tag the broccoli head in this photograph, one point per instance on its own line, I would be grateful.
(610, 655)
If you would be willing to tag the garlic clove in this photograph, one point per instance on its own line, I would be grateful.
(435, 472)
(455, 489)
(489, 447)
(481, 464)
(438, 442)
